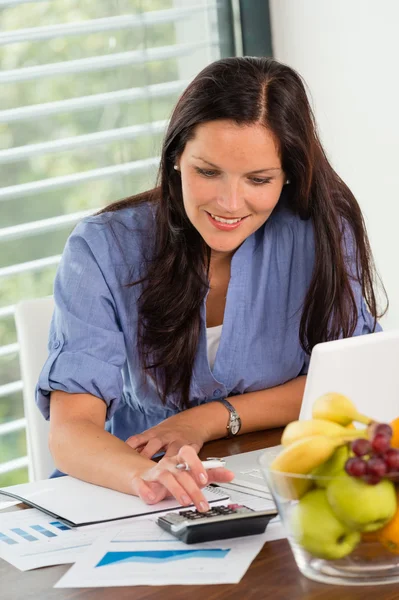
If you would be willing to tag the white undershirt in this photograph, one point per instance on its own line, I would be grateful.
(213, 335)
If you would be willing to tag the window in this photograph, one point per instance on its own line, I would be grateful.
(86, 91)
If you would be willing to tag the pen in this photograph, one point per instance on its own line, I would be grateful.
(209, 463)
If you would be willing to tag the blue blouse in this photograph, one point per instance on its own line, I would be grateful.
(92, 342)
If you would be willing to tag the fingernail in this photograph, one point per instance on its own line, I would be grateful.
(203, 478)
(151, 497)
(185, 500)
(204, 506)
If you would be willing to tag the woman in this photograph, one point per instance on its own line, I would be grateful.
(251, 240)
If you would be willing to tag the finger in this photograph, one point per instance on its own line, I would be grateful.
(151, 492)
(187, 482)
(220, 475)
(136, 440)
(152, 447)
(169, 481)
(174, 448)
(188, 454)
(196, 447)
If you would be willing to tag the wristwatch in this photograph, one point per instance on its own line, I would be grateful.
(234, 423)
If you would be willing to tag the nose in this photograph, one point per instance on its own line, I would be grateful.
(231, 199)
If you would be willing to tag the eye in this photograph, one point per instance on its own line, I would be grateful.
(260, 180)
(206, 172)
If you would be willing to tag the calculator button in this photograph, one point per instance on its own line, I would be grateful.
(173, 518)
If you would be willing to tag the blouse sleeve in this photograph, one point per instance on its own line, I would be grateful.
(86, 345)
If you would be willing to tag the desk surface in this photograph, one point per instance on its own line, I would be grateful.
(272, 575)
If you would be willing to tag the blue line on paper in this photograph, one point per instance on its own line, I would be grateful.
(158, 556)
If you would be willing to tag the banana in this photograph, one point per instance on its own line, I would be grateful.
(301, 458)
(304, 455)
(300, 429)
(339, 409)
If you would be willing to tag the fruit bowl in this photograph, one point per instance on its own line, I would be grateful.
(336, 525)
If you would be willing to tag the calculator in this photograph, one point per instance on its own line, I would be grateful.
(220, 522)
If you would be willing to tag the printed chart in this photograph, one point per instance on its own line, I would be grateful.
(32, 532)
(108, 563)
(158, 556)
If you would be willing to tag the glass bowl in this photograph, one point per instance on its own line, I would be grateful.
(325, 548)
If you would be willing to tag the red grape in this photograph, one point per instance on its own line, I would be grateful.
(376, 466)
(356, 467)
(380, 443)
(360, 447)
(391, 458)
(371, 479)
(383, 428)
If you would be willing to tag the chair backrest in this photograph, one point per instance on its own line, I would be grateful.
(32, 318)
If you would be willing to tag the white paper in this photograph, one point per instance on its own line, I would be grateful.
(110, 563)
(66, 545)
(80, 502)
(29, 539)
(7, 502)
(246, 490)
(147, 569)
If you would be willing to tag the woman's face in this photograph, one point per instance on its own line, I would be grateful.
(231, 181)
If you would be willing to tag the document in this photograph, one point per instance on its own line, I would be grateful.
(115, 562)
(78, 503)
(29, 539)
(5, 502)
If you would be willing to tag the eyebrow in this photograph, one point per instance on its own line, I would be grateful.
(250, 173)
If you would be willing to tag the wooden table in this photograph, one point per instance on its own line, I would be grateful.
(273, 574)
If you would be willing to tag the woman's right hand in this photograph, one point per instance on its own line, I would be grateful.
(163, 480)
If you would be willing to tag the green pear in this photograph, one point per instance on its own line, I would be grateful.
(332, 467)
(316, 528)
(360, 505)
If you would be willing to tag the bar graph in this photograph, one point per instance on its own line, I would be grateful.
(31, 532)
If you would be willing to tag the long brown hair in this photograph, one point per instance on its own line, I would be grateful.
(247, 90)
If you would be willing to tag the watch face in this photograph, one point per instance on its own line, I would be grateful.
(234, 427)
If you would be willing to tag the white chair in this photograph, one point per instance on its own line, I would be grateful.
(32, 318)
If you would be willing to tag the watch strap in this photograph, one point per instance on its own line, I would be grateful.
(234, 418)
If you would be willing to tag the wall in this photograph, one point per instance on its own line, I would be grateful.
(348, 53)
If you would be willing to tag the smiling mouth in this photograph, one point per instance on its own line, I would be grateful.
(226, 221)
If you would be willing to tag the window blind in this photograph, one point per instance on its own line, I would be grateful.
(87, 91)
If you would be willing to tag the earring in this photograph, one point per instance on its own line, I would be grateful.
(176, 168)
(287, 181)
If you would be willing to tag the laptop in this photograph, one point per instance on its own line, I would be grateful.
(364, 368)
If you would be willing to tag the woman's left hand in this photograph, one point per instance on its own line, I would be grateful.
(169, 436)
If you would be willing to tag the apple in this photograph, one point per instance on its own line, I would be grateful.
(332, 467)
(316, 528)
(360, 505)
